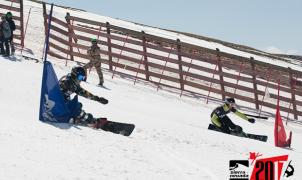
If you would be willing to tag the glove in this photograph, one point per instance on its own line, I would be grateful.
(238, 129)
(101, 100)
(251, 120)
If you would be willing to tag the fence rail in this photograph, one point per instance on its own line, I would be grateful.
(180, 65)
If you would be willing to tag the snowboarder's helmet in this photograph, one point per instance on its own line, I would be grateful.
(9, 15)
(230, 100)
(79, 73)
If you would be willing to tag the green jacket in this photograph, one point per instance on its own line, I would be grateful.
(222, 111)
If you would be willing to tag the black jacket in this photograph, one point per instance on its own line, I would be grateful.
(11, 24)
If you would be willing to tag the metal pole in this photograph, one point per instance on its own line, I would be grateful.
(238, 77)
(211, 83)
(26, 28)
(120, 56)
(139, 67)
(188, 71)
(164, 67)
(268, 77)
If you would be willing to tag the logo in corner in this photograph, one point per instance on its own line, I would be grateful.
(256, 168)
(239, 169)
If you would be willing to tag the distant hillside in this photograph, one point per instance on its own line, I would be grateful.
(244, 48)
(282, 57)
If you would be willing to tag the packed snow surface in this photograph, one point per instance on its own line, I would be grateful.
(171, 140)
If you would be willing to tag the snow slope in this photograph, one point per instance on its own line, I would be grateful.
(171, 140)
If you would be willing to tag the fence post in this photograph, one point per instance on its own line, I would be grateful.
(292, 87)
(180, 64)
(145, 56)
(22, 23)
(254, 83)
(220, 74)
(48, 33)
(67, 18)
(109, 45)
(45, 26)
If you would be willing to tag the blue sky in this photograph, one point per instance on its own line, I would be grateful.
(274, 25)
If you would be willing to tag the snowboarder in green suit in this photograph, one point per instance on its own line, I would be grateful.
(220, 119)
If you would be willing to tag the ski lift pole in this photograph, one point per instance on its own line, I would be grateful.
(241, 65)
(118, 59)
(164, 68)
(187, 72)
(211, 83)
(268, 77)
(26, 28)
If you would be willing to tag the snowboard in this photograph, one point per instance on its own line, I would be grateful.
(242, 134)
(124, 129)
(104, 87)
(27, 57)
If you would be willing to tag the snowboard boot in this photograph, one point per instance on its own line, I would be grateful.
(101, 123)
(238, 129)
(100, 84)
(12, 49)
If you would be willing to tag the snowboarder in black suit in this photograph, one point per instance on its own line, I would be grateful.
(70, 84)
(9, 19)
(220, 119)
(5, 35)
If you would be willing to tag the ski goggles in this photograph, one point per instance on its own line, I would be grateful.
(81, 78)
(232, 104)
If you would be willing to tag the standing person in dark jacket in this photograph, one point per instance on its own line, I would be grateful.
(220, 119)
(5, 35)
(70, 84)
(9, 18)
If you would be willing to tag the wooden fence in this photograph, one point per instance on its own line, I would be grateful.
(171, 63)
(16, 7)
